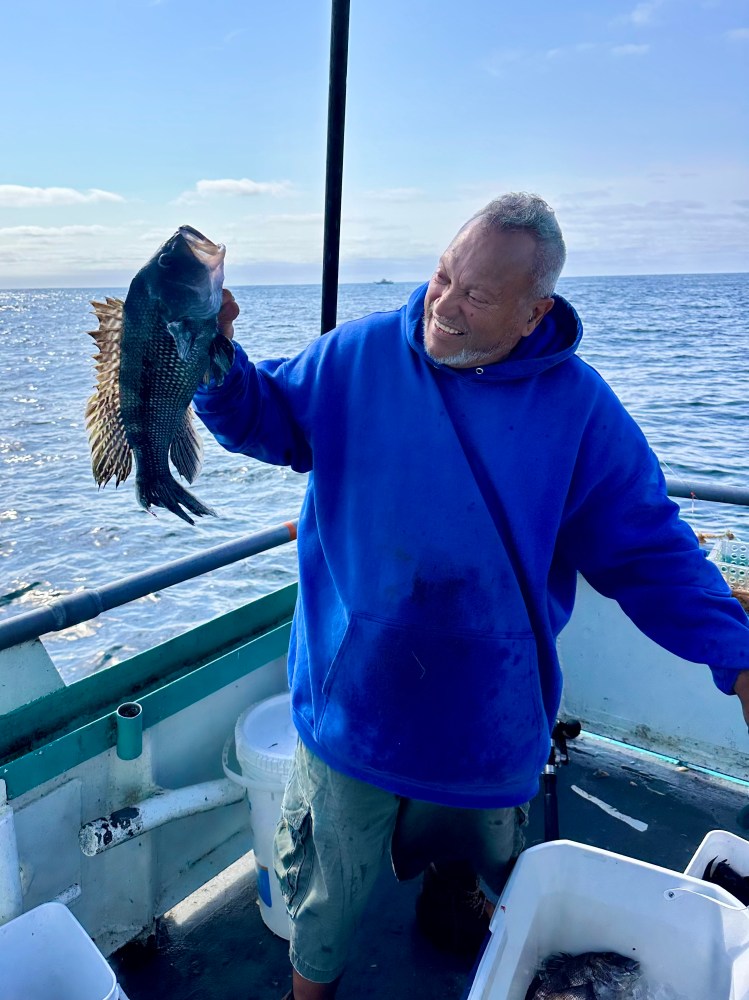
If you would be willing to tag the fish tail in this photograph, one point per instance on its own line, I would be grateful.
(168, 493)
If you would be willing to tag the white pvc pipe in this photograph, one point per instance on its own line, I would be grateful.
(11, 897)
(162, 807)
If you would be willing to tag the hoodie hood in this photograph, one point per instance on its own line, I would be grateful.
(555, 339)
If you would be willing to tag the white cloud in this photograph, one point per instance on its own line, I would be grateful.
(297, 219)
(630, 50)
(395, 194)
(738, 34)
(500, 60)
(43, 232)
(570, 50)
(19, 196)
(233, 188)
(642, 13)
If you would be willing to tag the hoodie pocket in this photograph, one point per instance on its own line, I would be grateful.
(452, 706)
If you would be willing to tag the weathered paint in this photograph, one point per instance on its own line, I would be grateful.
(164, 806)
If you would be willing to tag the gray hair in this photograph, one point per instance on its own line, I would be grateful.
(521, 212)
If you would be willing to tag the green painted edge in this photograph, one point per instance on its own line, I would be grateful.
(63, 711)
(60, 755)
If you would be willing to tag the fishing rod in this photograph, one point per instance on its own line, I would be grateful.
(339, 31)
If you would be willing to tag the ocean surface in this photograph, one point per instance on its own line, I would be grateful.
(673, 347)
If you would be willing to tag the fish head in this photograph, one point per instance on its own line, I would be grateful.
(612, 969)
(186, 276)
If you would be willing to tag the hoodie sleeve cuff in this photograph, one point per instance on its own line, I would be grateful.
(724, 678)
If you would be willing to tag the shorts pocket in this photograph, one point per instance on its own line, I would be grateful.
(293, 856)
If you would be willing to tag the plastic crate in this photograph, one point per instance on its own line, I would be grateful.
(731, 556)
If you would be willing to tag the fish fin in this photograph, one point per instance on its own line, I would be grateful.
(183, 336)
(168, 493)
(186, 449)
(111, 454)
(554, 963)
(221, 357)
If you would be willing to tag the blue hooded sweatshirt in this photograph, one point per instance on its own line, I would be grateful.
(446, 516)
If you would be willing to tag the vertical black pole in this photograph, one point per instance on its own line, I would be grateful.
(339, 22)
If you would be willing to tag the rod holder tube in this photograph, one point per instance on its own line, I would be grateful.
(129, 718)
(11, 895)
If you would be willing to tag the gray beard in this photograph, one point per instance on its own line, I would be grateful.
(465, 358)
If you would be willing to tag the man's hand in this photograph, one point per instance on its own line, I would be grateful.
(741, 687)
(227, 314)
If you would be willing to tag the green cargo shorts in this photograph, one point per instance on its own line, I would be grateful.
(332, 838)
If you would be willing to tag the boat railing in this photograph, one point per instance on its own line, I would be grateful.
(688, 489)
(83, 605)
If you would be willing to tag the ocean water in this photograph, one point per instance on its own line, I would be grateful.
(674, 348)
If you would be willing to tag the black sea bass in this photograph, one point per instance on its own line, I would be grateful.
(154, 349)
(594, 975)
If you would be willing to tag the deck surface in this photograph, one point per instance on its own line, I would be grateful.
(215, 946)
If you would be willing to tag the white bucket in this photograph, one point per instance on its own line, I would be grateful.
(265, 740)
(688, 936)
(45, 954)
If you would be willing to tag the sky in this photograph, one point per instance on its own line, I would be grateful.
(123, 119)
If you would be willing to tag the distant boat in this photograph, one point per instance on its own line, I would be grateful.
(383, 281)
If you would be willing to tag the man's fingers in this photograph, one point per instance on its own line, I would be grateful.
(227, 314)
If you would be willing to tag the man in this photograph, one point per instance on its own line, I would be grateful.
(464, 465)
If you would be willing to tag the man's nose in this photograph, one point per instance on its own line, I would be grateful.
(447, 301)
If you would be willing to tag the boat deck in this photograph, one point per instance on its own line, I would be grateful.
(214, 946)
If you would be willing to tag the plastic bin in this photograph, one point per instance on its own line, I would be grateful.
(45, 954)
(688, 936)
(265, 741)
(724, 846)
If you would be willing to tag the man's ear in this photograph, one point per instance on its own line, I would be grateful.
(540, 308)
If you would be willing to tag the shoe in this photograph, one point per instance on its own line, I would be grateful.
(454, 914)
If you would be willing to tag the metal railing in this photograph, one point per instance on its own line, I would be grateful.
(86, 604)
(715, 492)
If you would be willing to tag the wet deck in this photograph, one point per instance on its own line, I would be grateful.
(214, 946)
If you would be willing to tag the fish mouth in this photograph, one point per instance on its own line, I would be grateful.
(210, 254)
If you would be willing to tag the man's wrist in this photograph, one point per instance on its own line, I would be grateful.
(741, 686)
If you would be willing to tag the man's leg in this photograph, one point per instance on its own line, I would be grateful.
(452, 846)
(329, 846)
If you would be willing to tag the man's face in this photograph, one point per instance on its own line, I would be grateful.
(479, 302)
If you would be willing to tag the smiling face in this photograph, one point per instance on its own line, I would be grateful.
(480, 301)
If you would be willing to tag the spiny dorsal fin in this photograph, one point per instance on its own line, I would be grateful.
(186, 449)
(111, 454)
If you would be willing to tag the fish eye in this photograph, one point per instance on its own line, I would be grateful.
(165, 260)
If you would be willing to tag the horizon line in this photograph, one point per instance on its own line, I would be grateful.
(370, 281)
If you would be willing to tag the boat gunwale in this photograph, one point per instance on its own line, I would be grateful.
(48, 736)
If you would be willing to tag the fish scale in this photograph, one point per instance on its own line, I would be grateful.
(154, 350)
